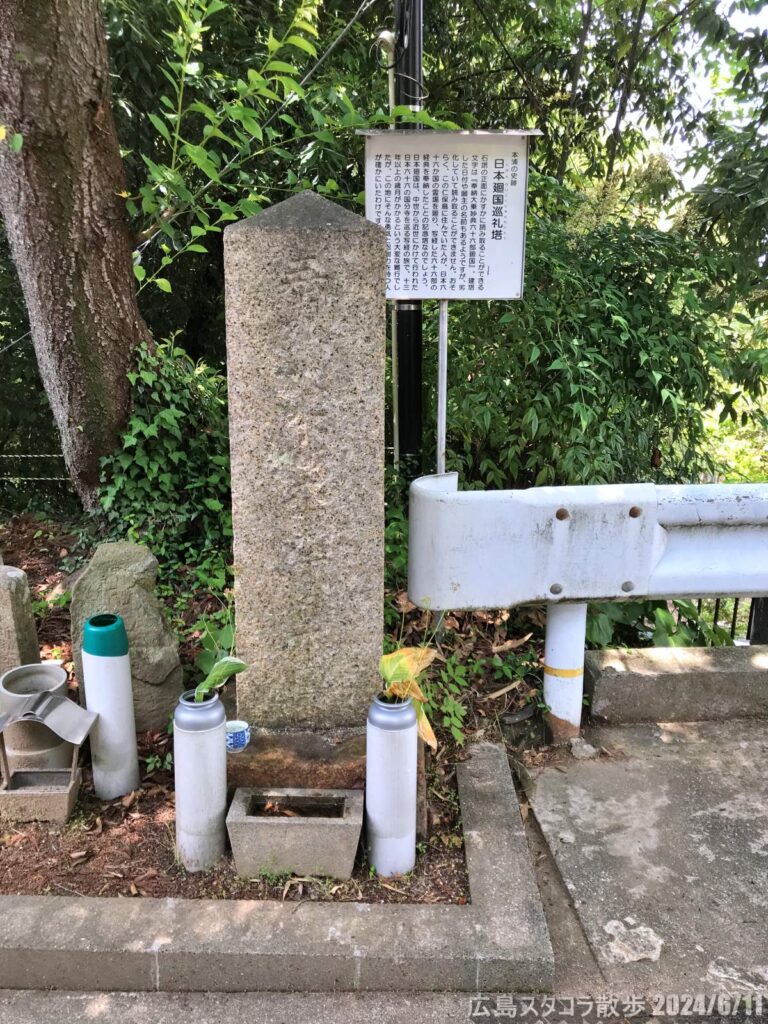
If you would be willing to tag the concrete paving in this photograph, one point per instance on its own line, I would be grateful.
(26, 1007)
(663, 849)
(215, 1008)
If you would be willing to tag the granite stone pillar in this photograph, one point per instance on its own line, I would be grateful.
(305, 308)
(18, 636)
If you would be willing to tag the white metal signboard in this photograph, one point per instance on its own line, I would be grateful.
(453, 204)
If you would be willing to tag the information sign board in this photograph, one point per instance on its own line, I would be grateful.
(453, 204)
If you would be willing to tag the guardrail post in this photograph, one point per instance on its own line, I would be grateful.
(564, 669)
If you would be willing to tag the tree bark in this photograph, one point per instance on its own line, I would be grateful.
(626, 89)
(578, 60)
(65, 221)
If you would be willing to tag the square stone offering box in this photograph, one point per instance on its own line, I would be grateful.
(320, 840)
(496, 943)
(38, 794)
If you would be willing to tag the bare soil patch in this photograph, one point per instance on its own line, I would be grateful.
(125, 848)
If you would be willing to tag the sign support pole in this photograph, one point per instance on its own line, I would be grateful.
(386, 40)
(442, 385)
(409, 92)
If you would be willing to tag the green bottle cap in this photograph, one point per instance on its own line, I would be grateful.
(105, 635)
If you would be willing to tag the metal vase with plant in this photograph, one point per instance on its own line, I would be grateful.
(200, 768)
(396, 720)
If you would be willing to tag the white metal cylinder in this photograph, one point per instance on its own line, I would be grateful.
(200, 773)
(109, 692)
(564, 668)
(390, 787)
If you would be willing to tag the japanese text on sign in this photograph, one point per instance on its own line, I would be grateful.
(454, 209)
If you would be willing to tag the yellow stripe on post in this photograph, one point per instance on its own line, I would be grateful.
(564, 673)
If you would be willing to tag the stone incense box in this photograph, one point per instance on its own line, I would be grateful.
(295, 831)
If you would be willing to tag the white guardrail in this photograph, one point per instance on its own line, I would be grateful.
(570, 545)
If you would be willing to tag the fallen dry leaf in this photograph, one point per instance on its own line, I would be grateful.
(503, 690)
(129, 799)
(385, 885)
(78, 856)
(511, 645)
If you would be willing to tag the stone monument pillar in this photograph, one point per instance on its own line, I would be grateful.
(305, 305)
(18, 636)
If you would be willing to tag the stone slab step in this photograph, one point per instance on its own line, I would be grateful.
(677, 684)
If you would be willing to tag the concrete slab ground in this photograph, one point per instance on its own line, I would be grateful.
(663, 849)
(498, 942)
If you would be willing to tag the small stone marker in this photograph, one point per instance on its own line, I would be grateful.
(18, 636)
(305, 352)
(120, 579)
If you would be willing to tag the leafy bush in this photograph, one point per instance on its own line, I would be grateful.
(603, 371)
(652, 624)
(167, 486)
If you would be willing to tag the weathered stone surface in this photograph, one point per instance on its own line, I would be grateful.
(40, 796)
(305, 357)
(18, 637)
(120, 579)
(497, 943)
(677, 684)
(300, 845)
(664, 850)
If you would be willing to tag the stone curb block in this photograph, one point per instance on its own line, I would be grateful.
(497, 943)
(677, 684)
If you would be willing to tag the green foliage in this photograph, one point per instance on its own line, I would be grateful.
(217, 638)
(652, 624)
(445, 693)
(740, 449)
(168, 484)
(159, 762)
(26, 423)
(604, 369)
(396, 536)
(223, 670)
(42, 607)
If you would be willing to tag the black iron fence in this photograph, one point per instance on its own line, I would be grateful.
(745, 619)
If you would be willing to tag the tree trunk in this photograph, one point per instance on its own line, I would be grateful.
(578, 60)
(65, 220)
(626, 89)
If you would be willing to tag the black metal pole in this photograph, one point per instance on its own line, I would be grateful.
(758, 621)
(409, 47)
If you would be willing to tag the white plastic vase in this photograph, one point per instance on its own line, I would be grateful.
(109, 692)
(390, 786)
